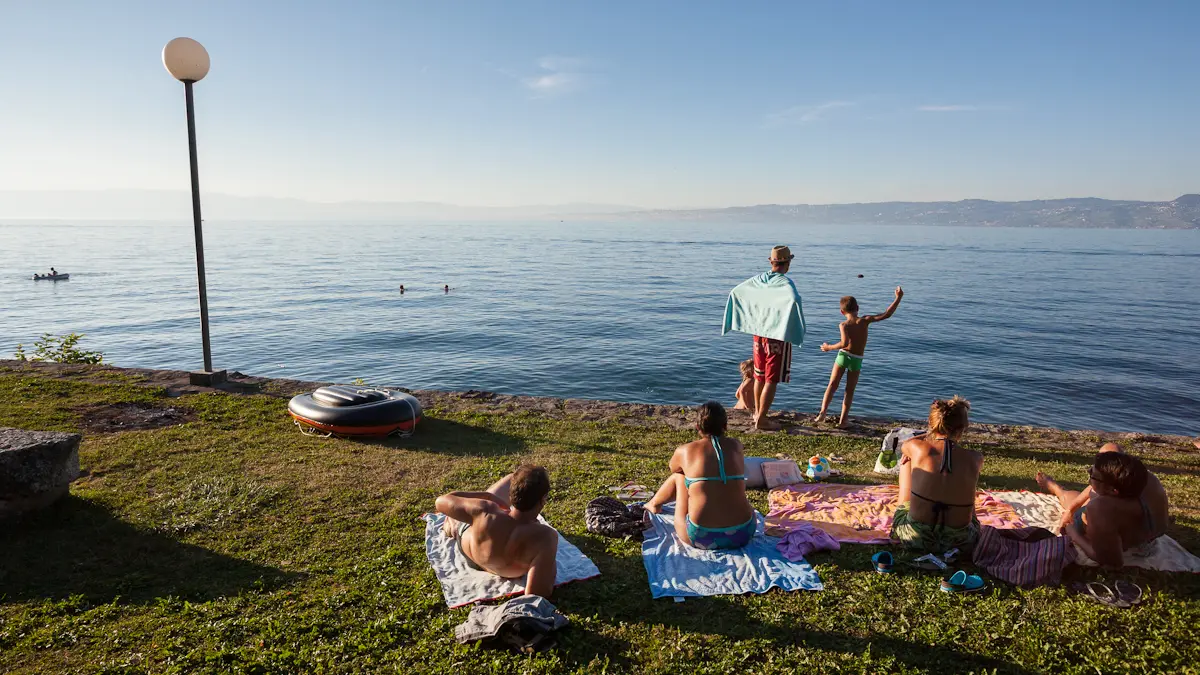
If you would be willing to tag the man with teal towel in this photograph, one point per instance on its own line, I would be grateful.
(768, 306)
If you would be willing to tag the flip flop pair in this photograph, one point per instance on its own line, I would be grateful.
(961, 582)
(883, 562)
(1122, 594)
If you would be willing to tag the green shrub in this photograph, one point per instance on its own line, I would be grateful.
(59, 350)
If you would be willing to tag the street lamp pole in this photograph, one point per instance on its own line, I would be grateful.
(187, 61)
(191, 124)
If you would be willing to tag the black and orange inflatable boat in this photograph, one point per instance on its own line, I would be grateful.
(355, 411)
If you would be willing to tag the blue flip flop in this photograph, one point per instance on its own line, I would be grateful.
(961, 582)
(883, 562)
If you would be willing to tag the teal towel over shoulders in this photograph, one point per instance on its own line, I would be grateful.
(767, 305)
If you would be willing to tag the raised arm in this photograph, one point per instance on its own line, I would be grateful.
(890, 310)
(1080, 502)
(842, 344)
(464, 506)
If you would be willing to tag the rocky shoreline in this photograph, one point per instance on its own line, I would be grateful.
(176, 384)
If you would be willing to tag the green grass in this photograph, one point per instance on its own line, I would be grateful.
(231, 543)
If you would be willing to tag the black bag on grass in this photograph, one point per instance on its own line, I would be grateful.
(611, 518)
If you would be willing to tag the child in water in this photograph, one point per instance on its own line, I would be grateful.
(850, 353)
(745, 393)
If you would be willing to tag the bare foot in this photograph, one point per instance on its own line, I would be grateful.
(1197, 444)
(818, 420)
(652, 507)
(449, 529)
(844, 424)
(767, 424)
(1047, 483)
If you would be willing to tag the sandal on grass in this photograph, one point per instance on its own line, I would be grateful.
(961, 582)
(1128, 591)
(883, 562)
(1103, 594)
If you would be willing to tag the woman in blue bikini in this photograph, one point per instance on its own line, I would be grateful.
(708, 486)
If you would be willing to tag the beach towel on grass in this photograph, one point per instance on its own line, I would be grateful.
(767, 305)
(678, 570)
(859, 514)
(462, 585)
(1163, 554)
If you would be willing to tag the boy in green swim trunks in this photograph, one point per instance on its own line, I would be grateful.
(850, 353)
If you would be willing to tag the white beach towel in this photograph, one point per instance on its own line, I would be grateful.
(463, 585)
(1042, 510)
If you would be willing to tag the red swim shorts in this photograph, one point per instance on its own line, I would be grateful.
(772, 360)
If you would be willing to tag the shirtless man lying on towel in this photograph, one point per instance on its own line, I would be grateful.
(1123, 507)
(498, 530)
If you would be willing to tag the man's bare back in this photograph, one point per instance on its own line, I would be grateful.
(500, 538)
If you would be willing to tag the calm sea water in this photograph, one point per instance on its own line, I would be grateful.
(1070, 328)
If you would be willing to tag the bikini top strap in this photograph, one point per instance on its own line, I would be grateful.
(720, 458)
(1146, 512)
(947, 451)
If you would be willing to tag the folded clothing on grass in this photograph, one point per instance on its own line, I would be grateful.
(463, 585)
(678, 570)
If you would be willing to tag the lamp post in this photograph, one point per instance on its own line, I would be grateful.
(187, 61)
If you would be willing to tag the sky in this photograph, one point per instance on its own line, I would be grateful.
(650, 104)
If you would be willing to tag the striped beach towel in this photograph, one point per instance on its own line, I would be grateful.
(1026, 556)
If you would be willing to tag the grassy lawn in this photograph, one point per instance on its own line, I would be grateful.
(231, 543)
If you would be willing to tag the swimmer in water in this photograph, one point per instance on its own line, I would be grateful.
(401, 289)
(446, 288)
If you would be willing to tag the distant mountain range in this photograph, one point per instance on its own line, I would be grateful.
(1181, 213)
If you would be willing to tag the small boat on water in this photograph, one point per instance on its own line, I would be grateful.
(51, 277)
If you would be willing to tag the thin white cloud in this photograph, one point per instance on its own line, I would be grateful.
(804, 114)
(949, 108)
(559, 75)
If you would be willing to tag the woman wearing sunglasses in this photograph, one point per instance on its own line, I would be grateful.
(1123, 507)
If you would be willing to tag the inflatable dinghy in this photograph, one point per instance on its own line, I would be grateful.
(355, 411)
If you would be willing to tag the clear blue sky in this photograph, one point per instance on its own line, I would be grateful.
(640, 103)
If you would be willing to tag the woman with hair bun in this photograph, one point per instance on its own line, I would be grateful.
(938, 479)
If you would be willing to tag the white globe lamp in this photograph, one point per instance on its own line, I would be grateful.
(187, 61)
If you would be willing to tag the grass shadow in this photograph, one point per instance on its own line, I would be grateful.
(734, 620)
(78, 547)
(446, 437)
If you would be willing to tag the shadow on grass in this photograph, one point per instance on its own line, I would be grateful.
(622, 596)
(78, 547)
(445, 437)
